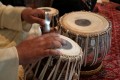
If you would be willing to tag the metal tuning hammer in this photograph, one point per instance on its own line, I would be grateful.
(47, 22)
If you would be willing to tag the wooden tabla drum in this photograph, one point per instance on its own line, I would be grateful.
(64, 67)
(54, 13)
(92, 32)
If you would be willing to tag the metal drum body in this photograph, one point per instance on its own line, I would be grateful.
(92, 32)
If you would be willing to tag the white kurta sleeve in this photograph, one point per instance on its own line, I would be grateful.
(8, 64)
(10, 17)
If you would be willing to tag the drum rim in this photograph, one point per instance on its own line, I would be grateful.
(54, 14)
(60, 25)
(72, 58)
(86, 35)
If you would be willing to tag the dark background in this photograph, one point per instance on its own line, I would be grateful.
(116, 1)
(22, 3)
(13, 2)
(64, 6)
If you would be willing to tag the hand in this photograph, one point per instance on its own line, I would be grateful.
(31, 50)
(33, 16)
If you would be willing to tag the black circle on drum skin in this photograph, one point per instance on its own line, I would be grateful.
(82, 22)
(48, 10)
(67, 46)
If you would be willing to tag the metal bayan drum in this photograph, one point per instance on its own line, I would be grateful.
(54, 15)
(64, 67)
(92, 32)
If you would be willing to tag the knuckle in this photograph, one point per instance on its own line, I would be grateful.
(57, 44)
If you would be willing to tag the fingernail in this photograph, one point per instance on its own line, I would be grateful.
(64, 42)
(60, 46)
(59, 53)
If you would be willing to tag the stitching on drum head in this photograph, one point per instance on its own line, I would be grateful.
(85, 35)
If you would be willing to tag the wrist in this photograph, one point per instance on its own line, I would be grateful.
(24, 13)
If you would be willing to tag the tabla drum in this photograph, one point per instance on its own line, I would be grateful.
(92, 32)
(54, 14)
(64, 67)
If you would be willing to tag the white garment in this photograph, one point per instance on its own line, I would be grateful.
(11, 33)
(8, 64)
(101, 1)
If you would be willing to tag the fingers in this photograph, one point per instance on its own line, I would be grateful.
(38, 20)
(52, 52)
(38, 16)
(49, 43)
(39, 13)
(33, 16)
(57, 38)
(62, 41)
(50, 35)
(52, 41)
(55, 42)
(54, 45)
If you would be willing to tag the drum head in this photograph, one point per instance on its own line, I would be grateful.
(71, 48)
(51, 10)
(84, 23)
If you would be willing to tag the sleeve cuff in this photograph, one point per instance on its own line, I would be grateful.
(11, 19)
(26, 26)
